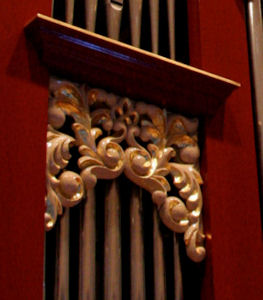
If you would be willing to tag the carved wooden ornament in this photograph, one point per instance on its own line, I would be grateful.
(115, 135)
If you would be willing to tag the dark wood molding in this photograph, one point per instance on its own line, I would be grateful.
(81, 55)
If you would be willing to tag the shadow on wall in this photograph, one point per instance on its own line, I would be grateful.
(25, 64)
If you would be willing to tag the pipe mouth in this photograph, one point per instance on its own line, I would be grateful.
(118, 4)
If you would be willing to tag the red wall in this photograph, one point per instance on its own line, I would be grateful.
(23, 96)
(218, 43)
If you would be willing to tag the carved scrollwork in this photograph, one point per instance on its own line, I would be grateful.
(115, 135)
(66, 189)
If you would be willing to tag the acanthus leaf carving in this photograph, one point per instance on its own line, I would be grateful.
(65, 189)
(114, 135)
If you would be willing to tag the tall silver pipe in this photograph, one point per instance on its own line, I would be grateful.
(154, 13)
(135, 21)
(114, 13)
(158, 255)
(88, 250)
(177, 272)
(112, 247)
(137, 246)
(62, 284)
(91, 14)
(69, 11)
(171, 23)
(256, 49)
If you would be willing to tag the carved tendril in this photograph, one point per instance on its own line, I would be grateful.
(114, 135)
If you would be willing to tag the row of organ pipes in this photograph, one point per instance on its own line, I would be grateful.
(114, 9)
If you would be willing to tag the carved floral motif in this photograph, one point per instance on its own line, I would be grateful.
(115, 135)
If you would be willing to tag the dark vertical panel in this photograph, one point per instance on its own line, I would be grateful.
(59, 10)
(101, 23)
(181, 32)
(147, 207)
(163, 30)
(192, 274)
(168, 259)
(125, 32)
(79, 14)
(50, 262)
(74, 252)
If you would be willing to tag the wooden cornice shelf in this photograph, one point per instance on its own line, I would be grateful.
(81, 55)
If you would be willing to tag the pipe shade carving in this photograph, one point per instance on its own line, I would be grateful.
(114, 135)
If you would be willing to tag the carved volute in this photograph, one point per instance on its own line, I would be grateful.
(114, 135)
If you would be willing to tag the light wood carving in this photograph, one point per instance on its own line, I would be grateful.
(115, 135)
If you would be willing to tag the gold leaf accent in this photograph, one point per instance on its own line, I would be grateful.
(114, 135)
